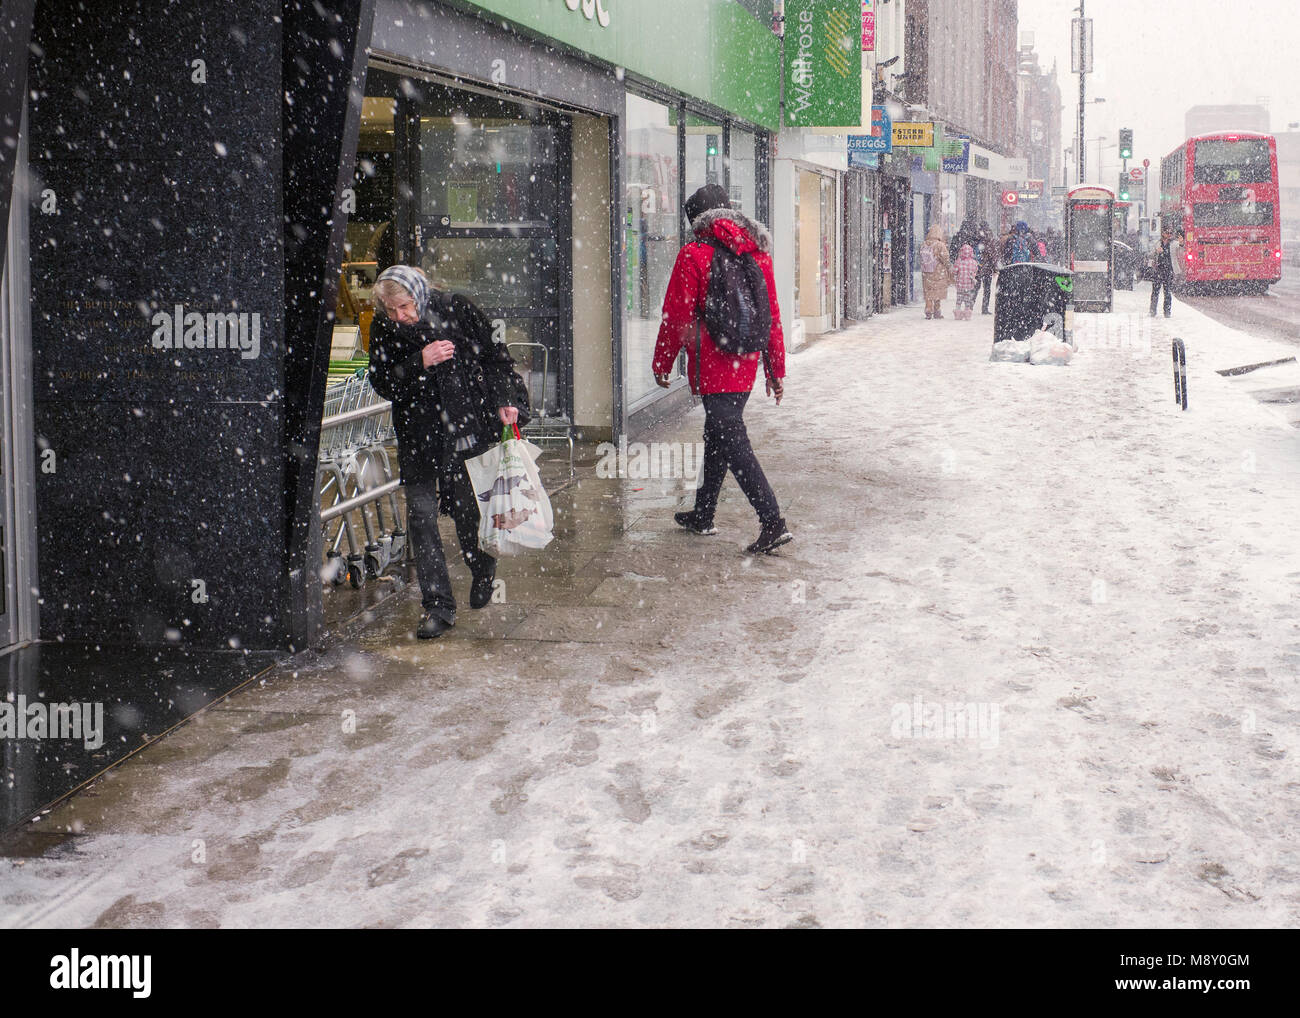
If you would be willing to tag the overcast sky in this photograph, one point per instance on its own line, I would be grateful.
(1155, 58)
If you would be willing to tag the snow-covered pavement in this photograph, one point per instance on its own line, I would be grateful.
(1031, 660)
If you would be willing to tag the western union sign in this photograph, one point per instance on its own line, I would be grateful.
(823, 63)
(913, 134)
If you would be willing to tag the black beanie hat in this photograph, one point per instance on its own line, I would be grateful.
(710, 196)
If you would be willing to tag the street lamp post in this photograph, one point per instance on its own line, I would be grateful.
(1081, 45)
(1083, 64)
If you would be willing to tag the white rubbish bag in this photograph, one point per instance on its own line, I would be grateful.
(1045, 348)
(1013, 350)
(514, 511)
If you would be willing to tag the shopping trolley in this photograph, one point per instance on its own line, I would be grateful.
(544, 427)
(355, 478)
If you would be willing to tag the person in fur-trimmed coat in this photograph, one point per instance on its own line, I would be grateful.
(936, 271)
(722, 380)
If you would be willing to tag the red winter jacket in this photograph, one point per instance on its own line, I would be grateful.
(684, 307)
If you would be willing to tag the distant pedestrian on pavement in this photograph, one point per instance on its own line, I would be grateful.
(1163, 273)
(724, 380)
(1018, 246)
(986, 252)
(965, 271)
(452, 388)
(936, 272)
(967, 233)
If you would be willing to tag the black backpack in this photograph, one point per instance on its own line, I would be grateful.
(737, 312)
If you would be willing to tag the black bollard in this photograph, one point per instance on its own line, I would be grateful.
(1180, 372)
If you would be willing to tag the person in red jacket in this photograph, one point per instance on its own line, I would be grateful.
(722, 380)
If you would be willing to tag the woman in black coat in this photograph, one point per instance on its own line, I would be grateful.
(452, 390)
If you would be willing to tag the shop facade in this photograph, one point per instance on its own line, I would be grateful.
(861, 201)
(547, 181)
(894, 180)
(808, 174)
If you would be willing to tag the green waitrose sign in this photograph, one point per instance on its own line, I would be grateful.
(714, 50)
(823, 63)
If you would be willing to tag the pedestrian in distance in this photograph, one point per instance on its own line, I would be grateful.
(1162, 265)
(965, 272)
(936, 272)
(986, 252)
(967, 233)
(721, 309)
(1018, 245)
(452, 390)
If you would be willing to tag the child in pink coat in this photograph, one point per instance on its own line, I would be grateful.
(964, 272)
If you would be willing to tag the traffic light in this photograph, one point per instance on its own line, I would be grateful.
(1126, 143)
(1122, 192)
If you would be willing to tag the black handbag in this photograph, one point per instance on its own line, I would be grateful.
(476, 328)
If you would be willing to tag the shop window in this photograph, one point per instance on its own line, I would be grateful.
(742, 167)
(704, 157)
(479, 171)
(813, 245)
(653, 233)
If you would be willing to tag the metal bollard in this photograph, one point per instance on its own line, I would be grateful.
(1180, 372)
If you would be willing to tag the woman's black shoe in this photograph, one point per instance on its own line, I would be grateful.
(694, 524)
(773, 535)
(432, 626)
(480, 591)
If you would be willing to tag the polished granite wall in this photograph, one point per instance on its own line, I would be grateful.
(179, 343)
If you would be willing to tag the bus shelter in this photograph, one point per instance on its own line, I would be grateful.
(1089, 248)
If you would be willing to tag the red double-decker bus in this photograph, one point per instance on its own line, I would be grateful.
(1219, 199)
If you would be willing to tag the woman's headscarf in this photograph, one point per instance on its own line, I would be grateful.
(936, 233)
(413, 281)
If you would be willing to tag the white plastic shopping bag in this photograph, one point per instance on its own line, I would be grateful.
(514, 511)
(1012, 350)
(1045, 348)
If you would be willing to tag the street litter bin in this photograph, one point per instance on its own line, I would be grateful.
(1033, 296)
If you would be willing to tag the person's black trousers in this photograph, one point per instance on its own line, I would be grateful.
(422, 529)
(726, 447)
(1156, 284)
(987, 283)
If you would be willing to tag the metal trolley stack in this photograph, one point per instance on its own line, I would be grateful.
(355, 478)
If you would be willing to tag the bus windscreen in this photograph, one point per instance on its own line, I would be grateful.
(1218, 162)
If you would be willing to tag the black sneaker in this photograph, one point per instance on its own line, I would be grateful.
(772, 536)
(480, 591)
(694, 524)
(432, 626)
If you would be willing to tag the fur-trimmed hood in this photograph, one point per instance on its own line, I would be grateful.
(733, 228)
